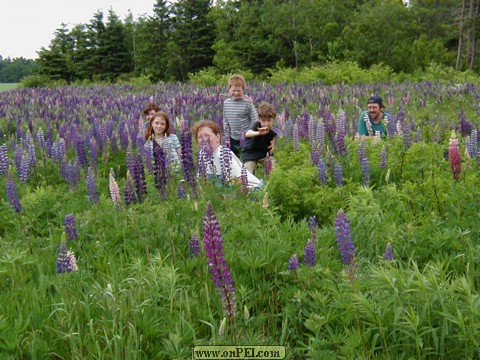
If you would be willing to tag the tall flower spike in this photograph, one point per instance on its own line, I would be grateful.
(244, 179)
(66, 261)
(310, 255)
(293, 263)
(213, 244)
(114, 189)
(454, 156)
(344, 240)
(91, 186)
(70, 227)
(12, 195)
(129, 194)
(4, 160)
(194, 246)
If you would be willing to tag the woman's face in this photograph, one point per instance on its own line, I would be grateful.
(159, 126)
(206, 136)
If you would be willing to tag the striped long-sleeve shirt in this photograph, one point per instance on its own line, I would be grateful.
(238, 116)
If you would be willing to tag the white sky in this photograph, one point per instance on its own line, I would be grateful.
(28, 25)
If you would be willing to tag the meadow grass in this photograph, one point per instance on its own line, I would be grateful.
(8, 86)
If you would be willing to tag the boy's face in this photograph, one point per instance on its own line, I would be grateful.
(267, 121)
(236, 92)
(150, 114)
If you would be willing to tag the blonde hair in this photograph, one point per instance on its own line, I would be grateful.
(237, 80)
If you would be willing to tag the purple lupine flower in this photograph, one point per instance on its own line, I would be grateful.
(388, 255)
(24, 171)
(295, 135)
(194, 246)
(129, 194)
(91, 186)
(4, 160)
(12, 195)
(213, 244)
(187, 162)
(114, 189)
(70, 227)
(40, 137)
(361, 152)
(181, 193)
(244, 179)
(365, 166)
(58, 150)
(322, 172)
(226, 164)
(321, 137)
(383, 157)
(293, 263)
(70, 172)
(267, 165)
(148, 155)
(160, 170)
(435, 137)
(139, 179)
(93, 150)
(30, 147)
(310, 255)
(338, 174)
(66, 261)
(314, 154)
(80, 150)
(472, 144)
(344, 239)
(465, 126)
(340, 135)
(391, 126)
(313, 226)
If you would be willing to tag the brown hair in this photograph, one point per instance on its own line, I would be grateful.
(205, 123)
(266, 109)
(168, 126)
(150, 106)
(237, 80)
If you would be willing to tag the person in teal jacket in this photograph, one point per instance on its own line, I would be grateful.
(374, 119)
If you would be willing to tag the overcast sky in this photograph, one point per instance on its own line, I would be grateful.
(27, 25)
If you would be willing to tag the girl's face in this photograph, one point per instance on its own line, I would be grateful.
(159, 126)
(206, 136)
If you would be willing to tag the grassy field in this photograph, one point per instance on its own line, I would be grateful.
(8, 86)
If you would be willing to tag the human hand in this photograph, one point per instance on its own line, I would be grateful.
(263, 130)
(248, 98)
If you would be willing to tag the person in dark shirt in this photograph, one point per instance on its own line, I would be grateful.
(260, 139)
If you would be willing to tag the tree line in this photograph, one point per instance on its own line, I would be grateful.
(184, 37)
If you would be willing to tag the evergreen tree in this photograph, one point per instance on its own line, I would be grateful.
(116, 58)
(193, 35)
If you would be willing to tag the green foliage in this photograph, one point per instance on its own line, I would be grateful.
(35, 81)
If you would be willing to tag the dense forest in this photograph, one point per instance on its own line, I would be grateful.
(184, 37)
